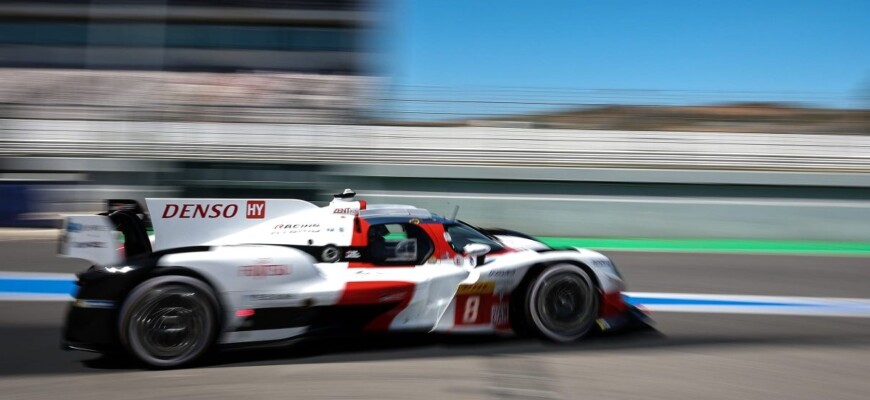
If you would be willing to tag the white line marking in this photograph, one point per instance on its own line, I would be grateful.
(757, 305)
(752, 298)
(635, 199)
(5, 296)
(37, 275)
(806, 311)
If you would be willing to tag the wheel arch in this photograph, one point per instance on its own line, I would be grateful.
(519, 293)
(192, 273)
(537, 268)
(158, 280)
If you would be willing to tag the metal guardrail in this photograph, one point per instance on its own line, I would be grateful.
(471, 146)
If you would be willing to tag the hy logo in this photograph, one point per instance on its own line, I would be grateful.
(256, 209)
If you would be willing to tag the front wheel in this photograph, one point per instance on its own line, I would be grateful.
(561, 304)
(169, 321)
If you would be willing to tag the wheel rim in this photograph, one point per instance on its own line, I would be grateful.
(564, 305)
(170, 324)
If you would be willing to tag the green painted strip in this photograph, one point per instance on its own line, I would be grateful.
(714, 245)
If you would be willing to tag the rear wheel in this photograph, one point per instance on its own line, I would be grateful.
(169, 321)
(561, 304)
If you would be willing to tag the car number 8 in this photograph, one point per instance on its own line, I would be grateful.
(472, 304)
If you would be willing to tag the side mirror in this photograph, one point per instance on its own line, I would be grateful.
(476, 249)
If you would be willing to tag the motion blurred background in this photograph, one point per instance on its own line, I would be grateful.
(734, 132)
(574, 119)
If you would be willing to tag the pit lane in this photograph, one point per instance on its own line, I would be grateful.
(692, 356)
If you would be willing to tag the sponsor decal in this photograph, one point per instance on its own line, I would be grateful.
(369, 271)
(500, 316)
(476, 288)
(295, 228)
(76, 227)
(502, 273)
(264, 268)
(255, 209)
(86, 245)
(415, 221)
(352, 254)
(210, 211)
(346, 210)
(602, 263)
(482, 309)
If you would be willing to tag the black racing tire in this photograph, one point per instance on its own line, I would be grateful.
(169, 321)
(560, 304)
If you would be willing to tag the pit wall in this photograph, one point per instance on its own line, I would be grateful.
(553, 202)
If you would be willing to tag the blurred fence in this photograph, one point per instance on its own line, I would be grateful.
(269, 97)
(475, 146)
(637, 109)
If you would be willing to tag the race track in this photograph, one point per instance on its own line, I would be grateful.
(694, 355)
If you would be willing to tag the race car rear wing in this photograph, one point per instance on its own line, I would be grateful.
(104, 239)
(92, 238)
(109, 237)
(192, 222)
(129, 205)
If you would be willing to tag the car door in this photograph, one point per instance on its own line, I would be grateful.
(436, 280)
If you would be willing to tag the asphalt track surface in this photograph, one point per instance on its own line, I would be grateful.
(691, 356)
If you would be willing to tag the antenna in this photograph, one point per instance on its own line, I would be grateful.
(455, 212)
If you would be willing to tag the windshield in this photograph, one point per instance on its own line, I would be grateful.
(462, 234)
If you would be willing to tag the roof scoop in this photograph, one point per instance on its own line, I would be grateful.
(346, 196)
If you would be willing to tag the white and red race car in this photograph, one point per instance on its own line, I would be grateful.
(259, 272)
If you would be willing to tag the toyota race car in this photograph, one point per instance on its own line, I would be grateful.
(228, 272)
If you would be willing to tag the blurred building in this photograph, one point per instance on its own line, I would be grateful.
(173, 63)
(284, 61)
(315, 36)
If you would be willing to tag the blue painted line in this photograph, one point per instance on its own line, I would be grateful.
(658, 301)
(38, 286)
(17, 287)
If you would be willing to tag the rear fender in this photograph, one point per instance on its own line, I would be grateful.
(249, 268)
(254, 276)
